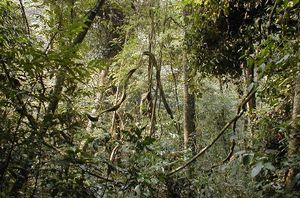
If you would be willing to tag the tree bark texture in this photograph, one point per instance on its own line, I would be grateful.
(294, 140)
(189, 112)
(189, 135)
(189, 96)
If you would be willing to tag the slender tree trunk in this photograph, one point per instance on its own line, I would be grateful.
(151, 101)
(189, 111)
(189, 96)
(189, 135)
(222, 119)
(294, 141)
(249, 78)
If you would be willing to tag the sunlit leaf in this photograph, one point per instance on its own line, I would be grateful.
(257, 169)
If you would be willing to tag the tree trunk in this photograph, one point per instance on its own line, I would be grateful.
(294, 141)
(189, 135)
(189, 96)
(249, 78)
(151, 100)
(189, 111)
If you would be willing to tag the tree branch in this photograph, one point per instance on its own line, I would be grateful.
(119, 103)
(271, 16)
(242, 110)
(90, 18)
(24, 16)
(159, 84)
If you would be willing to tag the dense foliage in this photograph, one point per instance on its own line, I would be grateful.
(157, 98)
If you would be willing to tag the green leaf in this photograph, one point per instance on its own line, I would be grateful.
(256, 170)
(269, 166)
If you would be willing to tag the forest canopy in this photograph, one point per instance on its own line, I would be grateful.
(156, 98)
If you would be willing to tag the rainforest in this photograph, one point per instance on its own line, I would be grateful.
(150, 98)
